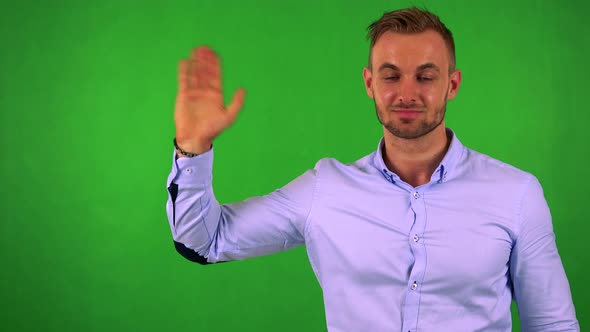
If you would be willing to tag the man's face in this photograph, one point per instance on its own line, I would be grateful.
(410, 82)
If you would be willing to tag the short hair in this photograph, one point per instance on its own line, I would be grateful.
(411, 20)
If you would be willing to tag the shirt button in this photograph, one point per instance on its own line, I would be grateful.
(416, 238)
(189, 170)
(414, 286)
(416, 195)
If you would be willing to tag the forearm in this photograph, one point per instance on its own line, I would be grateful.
(193, 212)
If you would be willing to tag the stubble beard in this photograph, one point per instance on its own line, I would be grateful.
(424, 127)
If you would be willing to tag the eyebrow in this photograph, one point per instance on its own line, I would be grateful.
(422, 67)
(388, 65)
(428, 65)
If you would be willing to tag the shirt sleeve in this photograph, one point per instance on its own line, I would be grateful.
(540, 284)
(205, 231)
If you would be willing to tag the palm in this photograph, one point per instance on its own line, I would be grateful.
(200, 114)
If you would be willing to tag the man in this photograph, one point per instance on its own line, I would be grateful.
(423, 234)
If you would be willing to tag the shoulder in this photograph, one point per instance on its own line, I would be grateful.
(329, 165)
(333, 172)
(481, 166)
(501, 182)
(505, 190)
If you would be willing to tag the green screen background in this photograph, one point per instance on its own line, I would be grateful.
(86, 97)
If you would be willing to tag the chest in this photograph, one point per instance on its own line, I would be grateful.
(383, 237)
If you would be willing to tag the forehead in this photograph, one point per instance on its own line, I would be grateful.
(408, 51)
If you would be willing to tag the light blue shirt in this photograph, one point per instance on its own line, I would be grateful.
(449, 255)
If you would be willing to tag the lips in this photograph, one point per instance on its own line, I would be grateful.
(407, 112)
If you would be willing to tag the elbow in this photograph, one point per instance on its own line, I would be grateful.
(190, 254)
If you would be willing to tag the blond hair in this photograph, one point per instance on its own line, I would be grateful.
(411, 20)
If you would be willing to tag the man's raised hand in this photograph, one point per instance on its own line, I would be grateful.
(200, 115)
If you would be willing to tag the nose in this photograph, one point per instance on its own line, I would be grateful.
(407, 92)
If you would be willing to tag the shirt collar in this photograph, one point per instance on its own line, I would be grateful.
(447, 165)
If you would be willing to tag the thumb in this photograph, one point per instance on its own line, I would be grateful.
(236, 104)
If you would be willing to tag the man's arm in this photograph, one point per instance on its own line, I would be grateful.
(540, 284)
(206, 232)
(203, 230)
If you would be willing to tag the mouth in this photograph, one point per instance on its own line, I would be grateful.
(407, 112)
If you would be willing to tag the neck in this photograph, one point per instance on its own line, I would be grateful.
(414, 160)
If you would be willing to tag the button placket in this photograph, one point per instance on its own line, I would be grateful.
(415, 240)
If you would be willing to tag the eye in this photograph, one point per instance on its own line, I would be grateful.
(392, 78)
(424, 78)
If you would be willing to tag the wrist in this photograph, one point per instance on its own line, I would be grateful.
(186, 148)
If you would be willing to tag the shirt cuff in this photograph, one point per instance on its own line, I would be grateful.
(192, 170)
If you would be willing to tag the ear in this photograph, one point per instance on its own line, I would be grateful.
(454, 83)
(368, 79)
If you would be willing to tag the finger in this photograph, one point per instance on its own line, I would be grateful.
(236, 104)
(214, 70)
(191, 73)
(196, 69)
(183, 75)
(207, 69)
(200, 74)
(199, 51)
